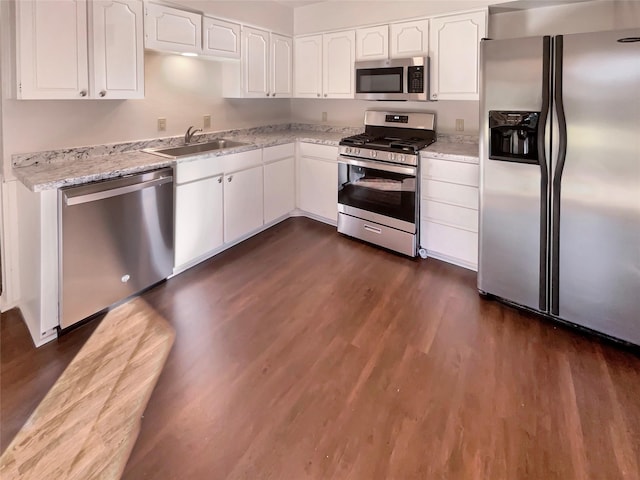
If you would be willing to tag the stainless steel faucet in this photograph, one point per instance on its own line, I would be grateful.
(189, 135)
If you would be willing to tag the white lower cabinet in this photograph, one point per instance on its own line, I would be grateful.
(449, 211)
(198, 222)
(243, 203)
(318, 181)
(279, 181)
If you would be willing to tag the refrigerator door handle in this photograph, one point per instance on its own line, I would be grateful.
(544, 170)
(557, 178)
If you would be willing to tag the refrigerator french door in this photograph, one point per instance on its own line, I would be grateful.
(560, 177)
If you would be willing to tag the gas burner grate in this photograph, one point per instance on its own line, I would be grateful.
(360, 139)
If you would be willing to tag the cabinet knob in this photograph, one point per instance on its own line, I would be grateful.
(83, 93)
(102, 93)
(273, 95)
(267, 94)
(229, 178)
(219, 179)
(325, 95)
(434, 95)
(318, 95)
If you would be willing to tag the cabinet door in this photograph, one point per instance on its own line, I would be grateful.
(318, 187)
(409, 39)
(454, 45)
(308, 66)
(243, 203)
(172, 30)
(255, 57)
(198, 226)
(220, 38)
(338, 55)
(372, 43)
(281, 69)
(117, 61)
(51, 46)
(279, 189)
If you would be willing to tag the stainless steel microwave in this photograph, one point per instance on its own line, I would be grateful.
(393, 79)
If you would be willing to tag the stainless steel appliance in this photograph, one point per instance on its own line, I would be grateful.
(560, 181)
(393, 79)
(116, 239)
(378, 187)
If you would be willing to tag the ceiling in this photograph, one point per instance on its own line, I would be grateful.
(528, 4)
(298, 3)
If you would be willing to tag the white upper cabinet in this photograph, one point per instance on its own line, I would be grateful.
(454, 50)
(372, 43)
(307, 66)
(338, 57)
(255, 58)
(173, 30)
(266, 67)
(409, 39)
(220, 38)
(68, 51)
(117, 62)
(281, 65)
(52, 59)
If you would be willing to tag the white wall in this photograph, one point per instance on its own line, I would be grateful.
(565, 19)
(351, 112)
(180, 89)
(333, 15)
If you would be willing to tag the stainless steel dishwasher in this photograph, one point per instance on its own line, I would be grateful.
(116, 239)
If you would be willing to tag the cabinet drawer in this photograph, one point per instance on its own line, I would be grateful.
(450, 241)
(240, 161)
(319, 151)
(461, 195)
(460, 217)
(198, 169)
(278, 152)
(453, 172)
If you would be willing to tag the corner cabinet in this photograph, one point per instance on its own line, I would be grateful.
(318, 181)
(75, 49)
(338, 57)
(265, 70)
(454, 45)
(307, 64)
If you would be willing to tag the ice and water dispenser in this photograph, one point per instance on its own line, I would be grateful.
(514, 136)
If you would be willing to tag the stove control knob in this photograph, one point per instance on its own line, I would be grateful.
(374, 154)
(356, 151)
(347, 150)
(392, 157)
(401, 158)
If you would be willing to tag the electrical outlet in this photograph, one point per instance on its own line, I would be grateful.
(459, 125)
(324, 116)
(206, 121)
(162, 124)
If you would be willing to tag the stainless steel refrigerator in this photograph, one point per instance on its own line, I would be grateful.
(560, 177)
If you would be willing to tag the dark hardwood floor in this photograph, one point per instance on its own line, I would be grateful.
(303, 354)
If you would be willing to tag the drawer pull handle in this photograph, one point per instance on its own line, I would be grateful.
(369, 228)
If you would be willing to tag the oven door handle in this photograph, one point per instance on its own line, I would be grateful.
(385, 167)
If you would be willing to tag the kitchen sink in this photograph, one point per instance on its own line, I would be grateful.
(194, 149)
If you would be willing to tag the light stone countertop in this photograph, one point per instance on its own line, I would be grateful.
(458, 152)
(55, 169)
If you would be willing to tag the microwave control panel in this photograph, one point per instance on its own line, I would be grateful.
(415, 79)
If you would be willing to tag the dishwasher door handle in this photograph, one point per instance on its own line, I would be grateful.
(113, 192)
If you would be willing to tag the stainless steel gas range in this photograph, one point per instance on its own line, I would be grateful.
(378, 180)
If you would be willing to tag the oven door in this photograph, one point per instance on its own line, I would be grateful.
(379, 192)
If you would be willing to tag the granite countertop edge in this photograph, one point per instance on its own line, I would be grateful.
(63, 172)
